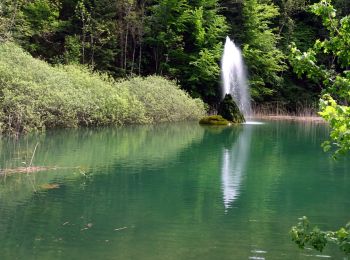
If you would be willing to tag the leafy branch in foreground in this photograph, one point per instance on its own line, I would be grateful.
(303, 234)
(327, 63)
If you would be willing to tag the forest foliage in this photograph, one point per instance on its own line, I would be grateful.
(178, 39)
(296, 52)
(327, 63)
(182, 40)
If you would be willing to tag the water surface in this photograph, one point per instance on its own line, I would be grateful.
(177, 191)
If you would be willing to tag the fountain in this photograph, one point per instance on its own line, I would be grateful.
(234, 77)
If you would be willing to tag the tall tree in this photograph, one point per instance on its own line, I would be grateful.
(186, 38)
(37, 25)
(328, 63)
(265, 61)
(209, 30)
(8, 14)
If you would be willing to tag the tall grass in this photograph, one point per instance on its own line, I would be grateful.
(36, 96)
(283, 109)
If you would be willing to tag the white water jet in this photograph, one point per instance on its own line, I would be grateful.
(234, 77)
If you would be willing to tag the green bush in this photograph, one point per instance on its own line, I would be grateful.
(36, 96)
(163, 101)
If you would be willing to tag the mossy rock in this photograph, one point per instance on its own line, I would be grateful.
(214, 120)
(229, 110)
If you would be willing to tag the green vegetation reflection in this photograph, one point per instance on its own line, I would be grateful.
(180, 191)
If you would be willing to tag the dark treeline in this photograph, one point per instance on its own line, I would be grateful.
(178, 39)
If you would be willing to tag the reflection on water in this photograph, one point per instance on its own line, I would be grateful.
(167, 192)
(253, 123)
(78, 153)
(234, 160)
(100, 147)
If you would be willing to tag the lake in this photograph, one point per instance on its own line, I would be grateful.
(172, 191)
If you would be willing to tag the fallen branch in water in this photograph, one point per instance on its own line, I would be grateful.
(32, 169)
(122, 228)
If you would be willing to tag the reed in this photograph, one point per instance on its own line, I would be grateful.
(282, 110)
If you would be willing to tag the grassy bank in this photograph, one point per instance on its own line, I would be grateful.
(36, 96)
(281, 111)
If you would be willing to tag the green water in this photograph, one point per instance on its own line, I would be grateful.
(170, 192)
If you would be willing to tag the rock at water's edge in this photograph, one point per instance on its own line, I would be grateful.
(214, 120)
(229, 110)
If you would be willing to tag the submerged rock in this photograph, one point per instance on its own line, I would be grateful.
(214, 120)
(229, 110)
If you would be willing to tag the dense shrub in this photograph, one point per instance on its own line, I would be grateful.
(35, 95)
(163, 101)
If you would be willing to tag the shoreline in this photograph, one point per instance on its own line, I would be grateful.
(315, 119)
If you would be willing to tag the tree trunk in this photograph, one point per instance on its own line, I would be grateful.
(13, 19)
(140, 57)
(133, 59)
(83, 44)
(92, 43)
(126, 45)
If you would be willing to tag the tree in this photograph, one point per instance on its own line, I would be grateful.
(264, 60)
(302, 234)
(288, 22)
(185, 39)
(5, 20)
(38, 22)
(328, 63)
(164, 35)
(209, 30)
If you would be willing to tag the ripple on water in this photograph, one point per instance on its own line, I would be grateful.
(259, 252)
(159, 193)
(317, 256)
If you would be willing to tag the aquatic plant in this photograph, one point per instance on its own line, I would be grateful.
(214, 120)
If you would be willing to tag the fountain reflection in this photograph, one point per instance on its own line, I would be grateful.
(234, 161)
